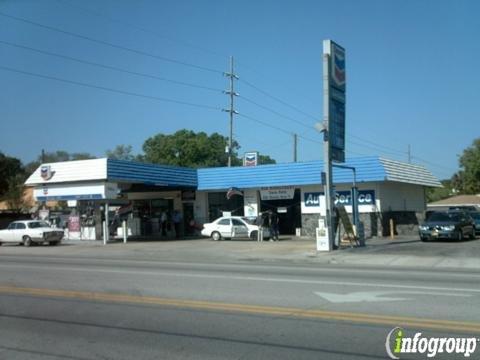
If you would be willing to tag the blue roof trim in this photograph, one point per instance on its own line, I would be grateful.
(301, 173)
(151, 174)
(369, 169)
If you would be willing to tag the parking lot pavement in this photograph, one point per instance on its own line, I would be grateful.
(410, 251)
(402, 251)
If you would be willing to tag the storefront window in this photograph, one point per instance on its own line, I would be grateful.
(218, 202)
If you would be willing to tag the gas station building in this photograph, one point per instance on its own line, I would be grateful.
(102, 189)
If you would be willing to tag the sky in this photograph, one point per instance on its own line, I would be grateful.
(71, 79)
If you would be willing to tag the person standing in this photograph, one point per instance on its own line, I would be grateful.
(177, 219)
(273, 222)
(276, 226)
(163, 222)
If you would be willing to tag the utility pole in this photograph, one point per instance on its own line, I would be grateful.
(43, 156)
(231, 111)
(409, 155)
(294, 147)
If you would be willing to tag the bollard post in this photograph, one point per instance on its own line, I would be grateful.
(392, 230)
(124, 227)
(260, 234)
(104, 233)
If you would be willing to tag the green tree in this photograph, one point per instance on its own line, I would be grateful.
(190, 149)
(15, 191)
(265, 159)
(10, 167)
(467, 180)
(121, 152)
(439, 193)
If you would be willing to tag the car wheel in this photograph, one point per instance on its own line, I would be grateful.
(472, 235)
(27, 240)
(216, 236)
(254, 235)
(53, 243)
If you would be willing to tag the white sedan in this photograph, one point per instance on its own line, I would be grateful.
(27, 232)
(232, 227)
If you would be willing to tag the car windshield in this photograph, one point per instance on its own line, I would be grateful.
(455, 217)
(37, 224)
(248, 221)
(439, 217)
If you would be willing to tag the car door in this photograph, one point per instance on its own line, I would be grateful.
(224, 227)
(469, 224)
(18, 232)
(7, 234)
(239, 229)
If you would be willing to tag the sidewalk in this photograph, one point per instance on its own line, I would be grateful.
(401, 252)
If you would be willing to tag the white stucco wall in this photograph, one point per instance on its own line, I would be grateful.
(200, 210)
(396, 196)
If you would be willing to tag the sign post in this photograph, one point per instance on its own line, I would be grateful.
(334, 88)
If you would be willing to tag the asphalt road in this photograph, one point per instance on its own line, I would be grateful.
(78, 307)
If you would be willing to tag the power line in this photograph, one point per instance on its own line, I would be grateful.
(431, 163)
(276, 127)
(163, 59)
(264, 123)
(139, 52)
(377, 144)
(279, 100)
(138, 28)
(109, 67)
(115, 46)
(5, 68)
(275, 112)
(108, 89)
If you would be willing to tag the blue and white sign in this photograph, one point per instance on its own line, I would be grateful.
(250, 159)
(335, 97)
(90, 191)
(46, 172)
(337, 60)
(312, 199)
(365, 197)
(313, 202)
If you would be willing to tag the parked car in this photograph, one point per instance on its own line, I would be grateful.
(232, 227)
(476, 218)
(27, 232)
(448, 225)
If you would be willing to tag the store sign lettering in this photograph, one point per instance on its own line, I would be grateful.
(365, 197)
(277, 193)
(312, 198)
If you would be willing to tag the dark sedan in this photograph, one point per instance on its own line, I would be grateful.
(447, 225)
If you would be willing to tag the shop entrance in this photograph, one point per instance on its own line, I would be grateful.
(147, 214)
(289, 212)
